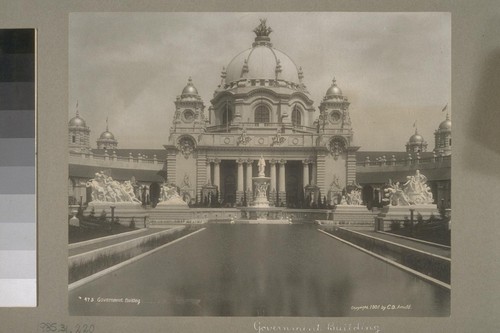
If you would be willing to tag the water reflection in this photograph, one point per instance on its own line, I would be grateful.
(262, 270)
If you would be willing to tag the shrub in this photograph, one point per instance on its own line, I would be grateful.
(102, 217)
(407, 222)
(395, 225)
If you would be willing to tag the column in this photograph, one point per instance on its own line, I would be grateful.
(217, 174)
(305, 172)
(273, 174)
(272, 190)
(239, 190)
(313, 177)
(209, 170)
(282, 184)
(248, 188)
(249, 175)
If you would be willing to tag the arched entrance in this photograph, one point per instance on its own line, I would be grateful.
(229, 189)
(154, 194)
(294, 187)
(367, 196)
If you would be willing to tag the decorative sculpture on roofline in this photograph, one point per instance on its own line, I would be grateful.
(262, 29)
(244, 139)
(414, 191)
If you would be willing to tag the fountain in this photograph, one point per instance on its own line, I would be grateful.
(261, 211)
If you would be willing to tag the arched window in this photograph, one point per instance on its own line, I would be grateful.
(262, 114)
(296, 117)
(227, 116)
(73, 139)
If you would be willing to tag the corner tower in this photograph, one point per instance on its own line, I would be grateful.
(79, 134)
(416, 143)
(336, 163)
(107, 139)
(442, 137)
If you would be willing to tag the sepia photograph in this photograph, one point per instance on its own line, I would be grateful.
(259, 164)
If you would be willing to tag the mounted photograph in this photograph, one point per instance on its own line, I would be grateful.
(282, 164)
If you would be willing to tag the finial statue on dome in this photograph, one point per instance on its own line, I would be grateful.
(262, 29)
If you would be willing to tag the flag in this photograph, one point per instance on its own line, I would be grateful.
(445, 107)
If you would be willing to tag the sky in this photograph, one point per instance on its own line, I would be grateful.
(395, 68)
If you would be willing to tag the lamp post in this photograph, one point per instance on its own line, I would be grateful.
(411, 221)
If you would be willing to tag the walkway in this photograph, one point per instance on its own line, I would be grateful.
(107, 242)
(426, 247)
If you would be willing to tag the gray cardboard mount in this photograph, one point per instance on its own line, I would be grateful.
(476, 156)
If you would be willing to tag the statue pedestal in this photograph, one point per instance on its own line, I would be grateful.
(122, 209)
(352, 215)
(174, 202)
(261, 184)
(390, 213)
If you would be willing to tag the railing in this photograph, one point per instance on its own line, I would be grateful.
(414, 160)
(122, 161)
(240, 126)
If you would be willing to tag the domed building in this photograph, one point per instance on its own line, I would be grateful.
(78, 134)
(442, 138)
(107, 140)
(261, 107)
(416, 143)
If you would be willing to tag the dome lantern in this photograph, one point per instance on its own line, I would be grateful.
(262, 33)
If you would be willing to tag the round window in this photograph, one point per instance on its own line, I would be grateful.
(188, 115)
(334, 116)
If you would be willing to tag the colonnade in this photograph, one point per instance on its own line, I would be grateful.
(277, 177)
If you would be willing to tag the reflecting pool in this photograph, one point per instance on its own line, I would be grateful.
(259, 270)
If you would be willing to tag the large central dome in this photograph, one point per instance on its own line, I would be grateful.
(262, 61)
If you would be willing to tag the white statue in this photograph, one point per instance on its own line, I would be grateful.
(416, 189)
(261, 189)
(414, 192)
(354, 197)
(396, 195)
(169, 195)
(105, 189)
(262, 166)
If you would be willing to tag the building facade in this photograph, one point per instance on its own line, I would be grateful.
(262, 108)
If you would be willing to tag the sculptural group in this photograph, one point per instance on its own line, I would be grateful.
(105, 189)
(414, 191)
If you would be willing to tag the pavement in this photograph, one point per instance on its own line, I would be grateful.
(426, 247)
(107, 242)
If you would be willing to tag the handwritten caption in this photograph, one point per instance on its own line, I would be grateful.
(259, 327)
(63, 327)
